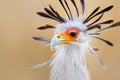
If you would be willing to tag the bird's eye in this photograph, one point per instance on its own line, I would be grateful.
(73, 34)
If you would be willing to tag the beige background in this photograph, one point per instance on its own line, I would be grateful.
(18, 53)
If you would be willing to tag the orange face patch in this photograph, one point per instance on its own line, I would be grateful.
(70, 34)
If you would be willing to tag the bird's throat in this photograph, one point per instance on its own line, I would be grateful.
(69, 63)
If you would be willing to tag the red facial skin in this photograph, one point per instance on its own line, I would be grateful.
(67, 34)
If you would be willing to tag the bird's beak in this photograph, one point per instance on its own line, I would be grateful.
(60, 39)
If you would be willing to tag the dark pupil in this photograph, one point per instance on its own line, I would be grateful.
(73, 34)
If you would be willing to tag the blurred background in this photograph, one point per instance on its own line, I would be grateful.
(18, 52)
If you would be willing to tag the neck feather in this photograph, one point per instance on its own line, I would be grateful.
(69, 63)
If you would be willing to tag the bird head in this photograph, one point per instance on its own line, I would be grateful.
(70, 35)
(75, 29)
(71, 32)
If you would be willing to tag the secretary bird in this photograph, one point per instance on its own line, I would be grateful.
(72, 39)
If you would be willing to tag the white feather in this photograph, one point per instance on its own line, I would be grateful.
(41, 64)
(69, 63)
(69, 60)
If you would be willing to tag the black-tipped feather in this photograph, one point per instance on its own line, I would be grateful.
(42, 39)
(106, 41)
(93, 27)
(50, 13)
(83, 6)
(95, 49)
(98, 25)
(68, 9)
(47, 16)
(117, 24)
(102, 11)
(56, 13)
(106, 22)
(75, 7)
(45, 27)
(52, 9)
(94, 33)
(95, 20)
(94, 11)
(64, 8)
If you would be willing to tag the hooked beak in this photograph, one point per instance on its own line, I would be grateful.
(60, 39)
